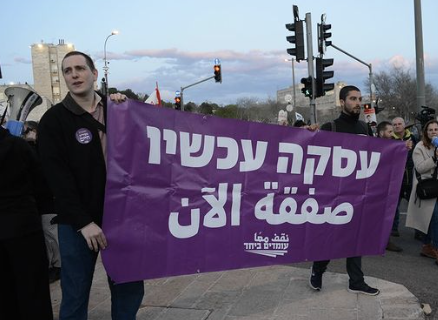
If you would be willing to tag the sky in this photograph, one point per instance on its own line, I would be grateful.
(175, 43)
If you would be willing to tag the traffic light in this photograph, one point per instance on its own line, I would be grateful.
(377, 108)
(297, 39)
(217, 73)
(307, 89)
(177, 103)
(321, 76)
(323, 35)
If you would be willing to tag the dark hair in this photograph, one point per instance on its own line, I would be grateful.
(346, 90)
(299, 123)
(31, 124)
(382, 127)
(88, 59)
(426, 141)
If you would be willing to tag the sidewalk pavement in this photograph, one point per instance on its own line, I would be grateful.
(268, 293)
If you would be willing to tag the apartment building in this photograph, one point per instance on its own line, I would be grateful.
(47, 70)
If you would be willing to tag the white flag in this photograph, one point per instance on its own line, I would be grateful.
(154, 98)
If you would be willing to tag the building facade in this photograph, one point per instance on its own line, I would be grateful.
(47, 70)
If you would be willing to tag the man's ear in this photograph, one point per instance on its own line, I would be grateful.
(95, 73)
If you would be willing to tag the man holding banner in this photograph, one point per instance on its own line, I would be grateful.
(72, 148)
(348, 122)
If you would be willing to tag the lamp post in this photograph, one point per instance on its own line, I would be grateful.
(105, 68)
(293, 79)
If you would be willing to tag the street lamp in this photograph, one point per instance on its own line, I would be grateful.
(105, 68)
(293, 79)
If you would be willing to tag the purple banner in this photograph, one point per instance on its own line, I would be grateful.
(188, 193)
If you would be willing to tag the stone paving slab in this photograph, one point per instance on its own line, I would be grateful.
(268, 293)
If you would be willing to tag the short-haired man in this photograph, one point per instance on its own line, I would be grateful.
(348, 122)
(403, 134)
(72, 144)
(385, 131)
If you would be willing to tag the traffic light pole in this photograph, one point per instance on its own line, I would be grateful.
(421, 87)
(182, 98)
(103, 87)
(293, 82)
(310, 67)
(191, 85)
(370, 67)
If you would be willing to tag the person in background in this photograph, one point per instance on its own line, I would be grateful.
(72, 144)
(282, 118)
(423, 214)
(283, 122)
(299, 124)
(303, 125)
(385, 131)
(403, 134)
(24, 290)
(46, 209)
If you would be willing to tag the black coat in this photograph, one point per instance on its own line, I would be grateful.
(348, 124)
(20, 177)
(73, 162)
(43, 193)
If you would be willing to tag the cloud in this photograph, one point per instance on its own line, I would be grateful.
(399, 61)
(254, 73)
(244, 73)
(22, 60)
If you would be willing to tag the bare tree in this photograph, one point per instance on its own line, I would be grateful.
(397, 92)
(259, 111)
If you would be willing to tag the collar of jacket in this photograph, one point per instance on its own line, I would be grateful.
(348, 118)
(406, 136)
(71, 105)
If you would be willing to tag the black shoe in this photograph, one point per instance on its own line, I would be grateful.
(54, 274)
(395, 233)
(315, 280)
(364, 289)
(392, 247)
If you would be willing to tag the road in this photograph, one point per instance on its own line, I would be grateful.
(418, 274)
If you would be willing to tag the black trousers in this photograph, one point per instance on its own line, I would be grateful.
(354, 269)
(24, 289)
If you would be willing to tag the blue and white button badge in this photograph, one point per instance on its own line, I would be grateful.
(84, 136)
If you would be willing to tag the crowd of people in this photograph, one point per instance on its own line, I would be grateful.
(422, 215)
(52, 196)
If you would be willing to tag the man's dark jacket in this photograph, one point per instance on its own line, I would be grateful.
(348, 124)
(406, 187)
(73, 162)
(19, 179)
